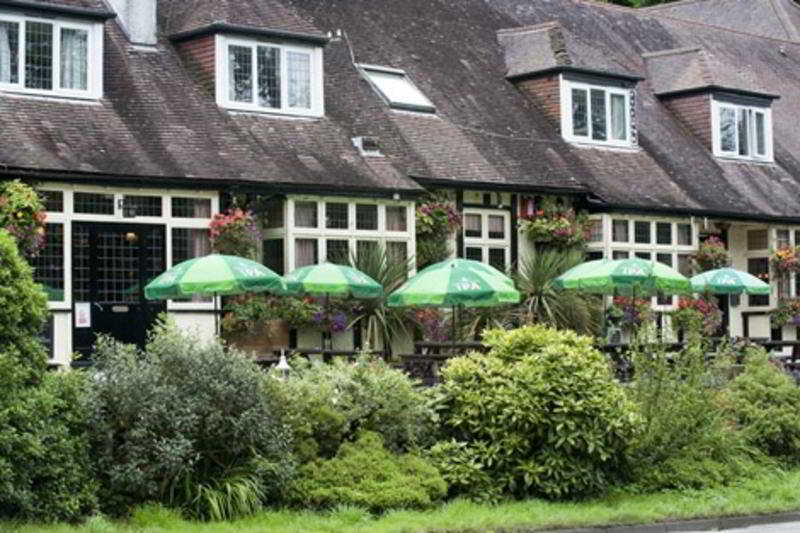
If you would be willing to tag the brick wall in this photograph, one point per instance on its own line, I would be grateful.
(545, 92)
(199, 56)
(694, 110)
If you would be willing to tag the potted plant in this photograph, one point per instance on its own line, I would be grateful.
(787, 313)
(628, 313)
(697, 312)
(259, 322)
(555, 225)
(235, 232)
(436, 220)
(785, 259)
(711, 254)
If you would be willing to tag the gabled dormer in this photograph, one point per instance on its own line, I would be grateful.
(726, 108)
(49, 49)
(257, 69)
(591, 101)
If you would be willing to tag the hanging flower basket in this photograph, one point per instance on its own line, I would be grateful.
(561, 228)
(692, 311)
(785, 259)
(711, 255)
(235, 232)
(787, 313)
(628, 313)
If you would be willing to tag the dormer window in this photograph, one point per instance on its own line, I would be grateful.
(269, 77)
(596, 114)
(742, 131)
(396, 89)
(50, 56)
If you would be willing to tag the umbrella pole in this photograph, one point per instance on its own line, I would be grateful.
(453, 323)
(216, 316)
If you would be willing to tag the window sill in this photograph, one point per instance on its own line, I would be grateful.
(272, 113)
(601, 145)
(50, 96)
(735, 159)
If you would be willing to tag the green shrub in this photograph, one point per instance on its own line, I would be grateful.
(540, 413)
(686, 442)
(44, 467)
(330, 403)
(765, 403)
(191, 426)
(365, 474)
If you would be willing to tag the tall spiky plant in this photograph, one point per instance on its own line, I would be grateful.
(543, 304)
(381, 324)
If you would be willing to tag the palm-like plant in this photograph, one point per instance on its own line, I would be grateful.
(543, 304)
(381, 324)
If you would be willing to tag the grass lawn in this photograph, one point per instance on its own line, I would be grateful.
(762, 496)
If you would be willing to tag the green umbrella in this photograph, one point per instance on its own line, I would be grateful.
(453, 283)
(330, 279)
(636, 277)
(456, 282)
(213, 275)
(728, 281)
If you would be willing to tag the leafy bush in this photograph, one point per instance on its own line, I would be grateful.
(765, 402)
(540, 413)
(191, 426)
(330, 403)
(366, 474)
(687, 441)
(44, 474)
(460, 467)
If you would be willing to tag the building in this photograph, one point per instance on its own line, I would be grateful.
(139, 119)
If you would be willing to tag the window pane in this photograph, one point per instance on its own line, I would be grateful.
(53, 201)
(336, 216)
(299, 74)
(305, 252)
(782, 238)
(273, 255)
(48, 266)
(784, 286)
(619, 122)
(599, 115)
(727, 129)
(472, 226)
(759, 267)
(191, 207)
(365, 249)
(580, 107)
(685, 234)
(240, 73)
(397, 89)
(497, 258)
(9, 52)
(366, 217)
(337, 251)
(74, 59)
(38, 55)
(187, 244)
(744, 135)
(757, 239)
(95, 204)
(273, 213)
(594, 255)
(397, 252)
(619, 254)
(619, 231)
(642, 232)
(647, 256)
(497, 227)
(761, 142)
(396, 218)
(596, 230)
(663, 233)
(305, 214)
(476, 254)
(145, 206)
(269, 77)
(665, 259)
(685, 265)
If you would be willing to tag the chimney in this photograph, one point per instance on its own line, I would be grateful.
(138, 19)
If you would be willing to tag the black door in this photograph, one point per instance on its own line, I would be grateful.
(111, 264)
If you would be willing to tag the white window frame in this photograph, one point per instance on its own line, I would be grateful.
(484, 242)
(94, 57)
(716, 118)
(223, 44)
(350, 234)
(566, 113)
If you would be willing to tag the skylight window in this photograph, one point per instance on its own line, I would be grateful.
(396, 89)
